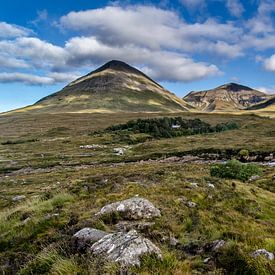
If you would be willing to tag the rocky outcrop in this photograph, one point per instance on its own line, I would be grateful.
(87, 236)
(133, 209)
(125, 249)
(263, 252)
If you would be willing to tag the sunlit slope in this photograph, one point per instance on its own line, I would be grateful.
(114, 87)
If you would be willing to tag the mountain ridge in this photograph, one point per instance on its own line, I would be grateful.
(227, 97)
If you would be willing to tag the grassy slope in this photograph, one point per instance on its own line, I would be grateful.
(242, 214)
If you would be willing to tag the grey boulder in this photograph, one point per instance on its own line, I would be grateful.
(263, 252)
(125, 249)
(87, 236)
(133, 209)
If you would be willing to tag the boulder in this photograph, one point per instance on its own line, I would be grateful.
(254, 178)
(214, 246)
(191, 204)
(125, 249)
(87, 236)
(18, 198)
(133, 209)
(263, 252)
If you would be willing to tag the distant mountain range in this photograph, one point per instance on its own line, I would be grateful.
(118, 87)
(226, 98)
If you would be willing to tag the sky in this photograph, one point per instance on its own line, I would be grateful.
(185, 45)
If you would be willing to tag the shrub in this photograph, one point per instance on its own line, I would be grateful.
(234, 169)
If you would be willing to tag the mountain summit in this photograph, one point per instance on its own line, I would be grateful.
(114, 87)
(228, 97)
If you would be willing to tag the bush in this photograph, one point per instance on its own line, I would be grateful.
(234, 169)
(168, 127)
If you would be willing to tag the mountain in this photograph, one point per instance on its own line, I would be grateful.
(114, 87)
(228, 97)
(266, 105)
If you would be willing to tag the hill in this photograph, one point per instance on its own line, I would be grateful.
(268, 104)
(114, 87)
(228, 97)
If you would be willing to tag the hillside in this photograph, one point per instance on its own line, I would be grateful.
(228, 97)
(56, 175)
(114, 87)
(267, 105)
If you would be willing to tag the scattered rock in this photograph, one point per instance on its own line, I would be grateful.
(211, 185)
(87, 236)
(125, 249)
(207, 260)
(26, 220)
(194, 184)
(119, 151)
(263, 252)
(19, 198)
(254, 178)
(191, 204)
(49, 216)
(133, 209)
(125, 226)
(215, 245)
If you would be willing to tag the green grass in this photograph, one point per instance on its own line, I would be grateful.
(57, 177)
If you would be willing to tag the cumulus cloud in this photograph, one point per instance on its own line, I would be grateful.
(31, 79)
(147, 26)
(269, 63)
(9, 30)
(267, 90)
(161, 65)
(235, 7)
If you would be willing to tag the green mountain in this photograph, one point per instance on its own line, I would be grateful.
(114, 87)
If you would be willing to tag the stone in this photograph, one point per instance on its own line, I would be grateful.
(119, 151)
(263, 252)
(19, 198)
(133, 209)
(254, 178)
(194, 184)
(87, 236)
(211, 185)
(125, 249)
(207, 260)
(191, 204)
(217, 245)
(125, 226)
(93, 146)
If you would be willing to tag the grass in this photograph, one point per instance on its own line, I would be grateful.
(65, 186)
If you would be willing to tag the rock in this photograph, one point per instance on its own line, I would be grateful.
(191, 204)
(263, 252)
(207, 260)
(211, 185)
(133, 209)
(216, 245)
(119, 151)
(194, 184)
(87, 236)
(125, 226)
(125, 249)
(254, 178)
(49, 216)
(19, 198)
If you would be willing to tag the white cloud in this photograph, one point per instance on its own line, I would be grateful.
(267, 90)
(10, 62)
(161, 65)
(9, 30)
(269, 63)
(235, 7)
(193, 4)
(25, 78)
(148, 27)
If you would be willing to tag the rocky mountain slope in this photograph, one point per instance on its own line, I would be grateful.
(228, 97)
(114, 87)
(268, 104)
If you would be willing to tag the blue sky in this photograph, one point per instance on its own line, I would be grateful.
(184, 44)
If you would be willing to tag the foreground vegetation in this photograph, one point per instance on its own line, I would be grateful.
(65, 185)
